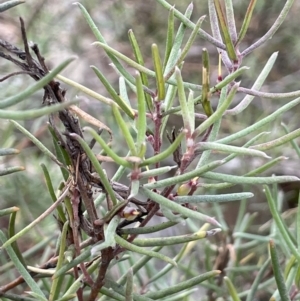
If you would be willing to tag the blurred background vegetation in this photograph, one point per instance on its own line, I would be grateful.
(60, 31)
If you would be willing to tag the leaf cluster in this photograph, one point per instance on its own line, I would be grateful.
(100, 218)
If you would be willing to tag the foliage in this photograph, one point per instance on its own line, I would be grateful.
(171, 174)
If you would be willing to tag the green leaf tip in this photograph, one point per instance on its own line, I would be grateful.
(9, 4)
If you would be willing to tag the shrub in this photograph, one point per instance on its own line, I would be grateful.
(170, 172)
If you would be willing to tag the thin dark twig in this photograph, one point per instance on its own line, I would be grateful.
(26, 47)
(107, 255)
(93, 141)
(40, 58)
(14, 74)
(20, 53)
(8, 57)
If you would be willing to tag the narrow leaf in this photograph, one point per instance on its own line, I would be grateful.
(35, 87)
(22, 270)
(246, 21)
(8, 211)
(279, 223)
(129, 246)
(185, 177)
(174, 240)
(277, 273)
(213, 198)
(248, 180)
(36, 141)
(260, 123)
(140, 60)
(166, 153)
(119, 160)
(34, 113)
(227, 38)
(217, 114)
(8, 151)
(125, 130)
(170, 37)
(182, 285)
(9, 170)
(97, 167)
(231, 289)
(160, 82)
(161, 200)
(233, 149)
(123, 105)
(183, 103)
(205, 100)
(141, 123)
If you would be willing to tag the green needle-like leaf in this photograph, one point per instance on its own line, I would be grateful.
(121, 103)
(110, 231)
(97, 167)
(8, 211)
(150, 229)
(213, 198)
(139, 58)
(186, 48)
(160, 82)
(248, 180)
(36, 141)
(256, 86)
(9, 4)
(21, 269)
(185, 20)
(138, 265)
(107, 149)
(174, 240)
(231, 289)
(280, 224)
(125, 130)
(260, 123)
(11, 233)
(170, 37)
(246, 21)
(129, 246)
(101, 39)
(131, 63)
(166, 153)
(76, 261)
(161, 200)
(185, 177)
(227, 38)
(277, 142)
(187, 122)
(61, 154)
(156, 171)
(35, 87)
(258, 280)
(228, 79)
(283, 292)
(52, 193)
(175, 48)
(141, 123)
(129, 286)
(217, 114)
(34, 113)
(8, 151)
(233, 149)
(56, 284)
(158, 295)
(293, 143)
(205, 100)
(9, 170)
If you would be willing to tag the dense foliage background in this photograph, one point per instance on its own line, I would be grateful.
(60, 31)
